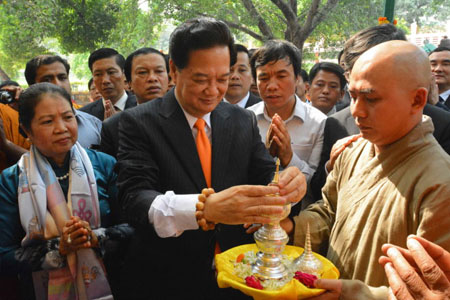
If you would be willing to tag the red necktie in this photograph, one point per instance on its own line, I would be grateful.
(204, 150)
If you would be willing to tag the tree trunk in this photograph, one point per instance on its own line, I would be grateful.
(3, 75)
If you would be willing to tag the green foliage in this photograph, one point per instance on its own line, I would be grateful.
(83, 25)
(426, 13)
(32, 27)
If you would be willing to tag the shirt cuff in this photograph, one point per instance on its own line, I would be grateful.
(172, 214)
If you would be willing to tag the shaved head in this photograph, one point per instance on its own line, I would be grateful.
(389, 85)
(406, 63)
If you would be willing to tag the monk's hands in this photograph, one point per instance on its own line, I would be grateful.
(281, 141)
(76, 235)
(332, 287)
(337, 149)
(420, 272)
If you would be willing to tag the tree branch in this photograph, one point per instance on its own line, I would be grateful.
(234, 25)
(285, 9)
(317, 15)
(262, 25)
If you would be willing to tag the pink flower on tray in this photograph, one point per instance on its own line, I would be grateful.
(253, 282)
(305, 278)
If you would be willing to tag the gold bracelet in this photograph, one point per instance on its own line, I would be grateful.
(200, 206)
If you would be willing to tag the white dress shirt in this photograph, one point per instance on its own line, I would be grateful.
(305, 127)
(172, 214)
(243, 102)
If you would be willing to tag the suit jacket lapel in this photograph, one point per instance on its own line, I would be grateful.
(99, 110)
(131, 101)
(179, 135)
(221, 142)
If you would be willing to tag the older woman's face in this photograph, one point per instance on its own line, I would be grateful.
(54, 128)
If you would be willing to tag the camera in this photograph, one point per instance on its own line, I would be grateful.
(6, 97)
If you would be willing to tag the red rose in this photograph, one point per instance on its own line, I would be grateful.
(305, 278)
(251, 281)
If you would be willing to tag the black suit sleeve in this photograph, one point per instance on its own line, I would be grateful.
(138, 172)
(441, 122)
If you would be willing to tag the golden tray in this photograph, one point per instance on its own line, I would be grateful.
(292, 290)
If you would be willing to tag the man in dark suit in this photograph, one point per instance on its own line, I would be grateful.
(146, 70)
(342, 124)
(107, 65)
(440, 67)
(161, 172)
(238, 91)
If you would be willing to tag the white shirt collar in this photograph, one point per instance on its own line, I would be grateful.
(120, 104)
(241, 102)
(191, 119)
(445, 94)
(332, 111)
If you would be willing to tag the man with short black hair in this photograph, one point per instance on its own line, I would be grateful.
(440, 67)
(146, 71)
(55, 69)
(327, 82)
(238, 91)
(107, 65)
(173, 147)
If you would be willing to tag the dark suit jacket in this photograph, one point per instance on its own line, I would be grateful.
(157, 153)
(252, 99)
(97, 109)
(342, 124)
(109, 142)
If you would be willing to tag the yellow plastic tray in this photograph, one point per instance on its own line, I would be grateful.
(292, 290)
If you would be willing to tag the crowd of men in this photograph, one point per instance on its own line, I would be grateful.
(364, 144)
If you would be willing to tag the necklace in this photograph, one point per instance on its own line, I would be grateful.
(63, 177)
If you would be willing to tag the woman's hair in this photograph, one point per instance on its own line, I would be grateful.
(30, 98)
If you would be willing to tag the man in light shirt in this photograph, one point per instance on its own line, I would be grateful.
(292, 128)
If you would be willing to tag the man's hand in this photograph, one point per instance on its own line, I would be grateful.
(337, 149)
(292, 184)
(282, 140)
(433, 94)
(244, 204)
(420, 272)
(109, 109)
(333, 289)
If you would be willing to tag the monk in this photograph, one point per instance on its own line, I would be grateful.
(392, 182)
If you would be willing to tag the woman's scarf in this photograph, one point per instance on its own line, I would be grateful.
(44, 212)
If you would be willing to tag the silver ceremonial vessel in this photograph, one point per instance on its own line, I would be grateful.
(271, 240)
